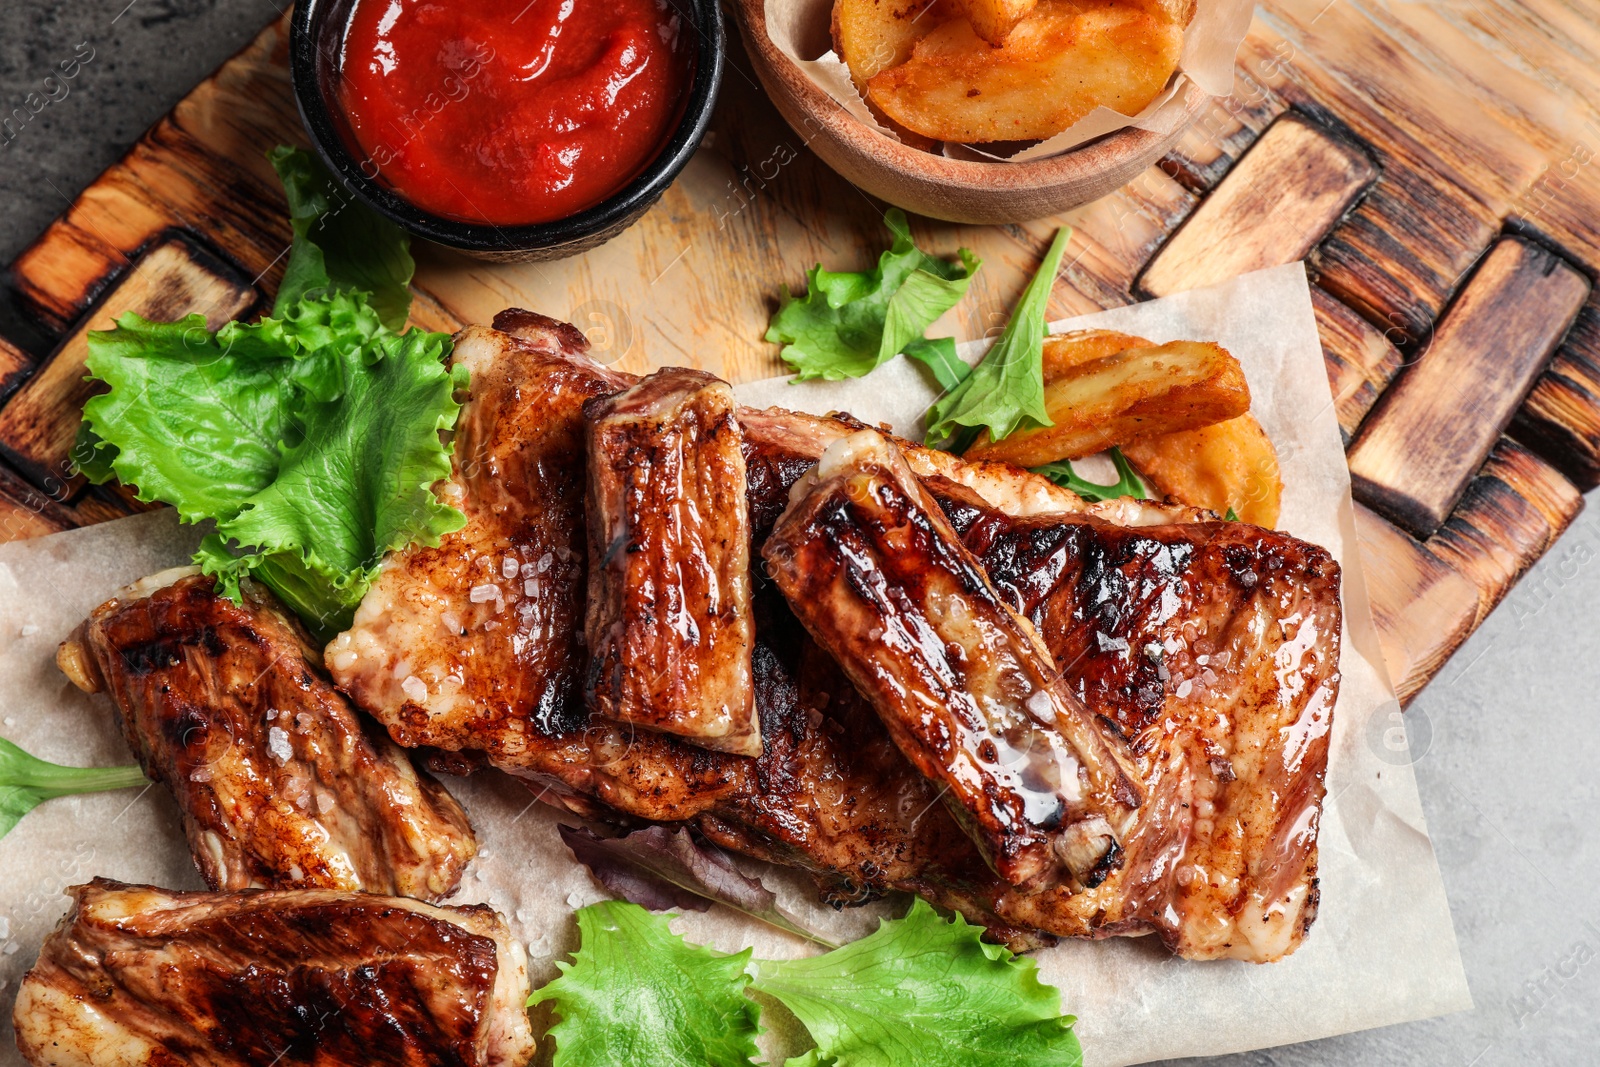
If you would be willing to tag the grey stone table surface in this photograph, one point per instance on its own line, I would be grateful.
(1506, 740)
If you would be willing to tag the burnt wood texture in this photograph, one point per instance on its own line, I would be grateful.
(1432, 166)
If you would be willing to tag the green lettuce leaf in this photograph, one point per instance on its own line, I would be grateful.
(636, 993)
(340, 245)
(1128, 482)
(949, 370)
(1005, 392)
(28, 781)
(927, 991)
(312, 442)
(850, 322)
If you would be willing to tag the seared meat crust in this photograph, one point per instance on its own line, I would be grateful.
(967, 690)
(141, 977)
(280, 783)
(668, 624)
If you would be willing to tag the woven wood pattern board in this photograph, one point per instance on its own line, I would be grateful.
(1433, 164)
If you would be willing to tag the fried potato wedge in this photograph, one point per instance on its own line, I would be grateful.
(1065, 351)
(993, 20)
(1062, 60)
(1136, 392)
(1226, 465)
(871, 36)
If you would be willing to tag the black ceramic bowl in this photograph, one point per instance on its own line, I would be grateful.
(313, 62)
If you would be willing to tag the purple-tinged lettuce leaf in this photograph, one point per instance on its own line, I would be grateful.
(659, 869)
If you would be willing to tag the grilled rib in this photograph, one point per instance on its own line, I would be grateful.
(141, 977)
(968, 692)
(668, 624)
(832, 793)
(279, 784)
(1215, 648)
(475, 645)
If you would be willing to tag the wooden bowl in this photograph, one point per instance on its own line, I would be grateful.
(951, 189)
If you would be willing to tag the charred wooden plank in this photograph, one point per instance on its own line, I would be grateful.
(1510, 515)
(1360, 360)
(203, 168)
(26, 512)
(173, 279)
(1423, 609)
(1561, 418)
(1281, 199)
(669, 625)
(15, 366)
(1434, 427)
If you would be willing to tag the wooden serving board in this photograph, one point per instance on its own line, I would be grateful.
(1433, 163)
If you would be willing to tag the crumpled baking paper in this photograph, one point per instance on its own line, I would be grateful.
(1382, 950)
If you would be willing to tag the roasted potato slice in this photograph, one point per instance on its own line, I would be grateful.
(1060, 62)
(1065, 351)
(872, 36)
(1226, 465)
(993, 20)
(1155, 389)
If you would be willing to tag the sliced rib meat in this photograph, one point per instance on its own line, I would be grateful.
(669, 625)
(832, 793)
(968, 692)
(279, 783)
(1215, 648)
(475, 645)
(141, 977)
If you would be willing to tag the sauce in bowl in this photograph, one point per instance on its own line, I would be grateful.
(511, 112)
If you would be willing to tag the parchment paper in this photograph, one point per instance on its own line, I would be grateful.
(1209, 44)
(1382, 950)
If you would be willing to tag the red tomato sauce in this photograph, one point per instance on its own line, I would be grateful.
(512, 111)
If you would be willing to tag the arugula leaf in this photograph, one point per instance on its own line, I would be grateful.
(850, 322)
(636, 993)
(340, 245)
(28, 781)
(949, 370)
(923, 990)
(311, 440)
(1006, 390)
(1128, 482)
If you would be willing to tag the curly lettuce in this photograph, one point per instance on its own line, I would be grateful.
(851, 322)
(312, 438)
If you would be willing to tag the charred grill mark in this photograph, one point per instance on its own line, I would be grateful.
(146, 657)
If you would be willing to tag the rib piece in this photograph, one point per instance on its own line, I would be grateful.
(1204, 726)
(968, 692)
(474, 646)
(668, 625)
(142, 977)
(279, 785)
(1215, 648)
